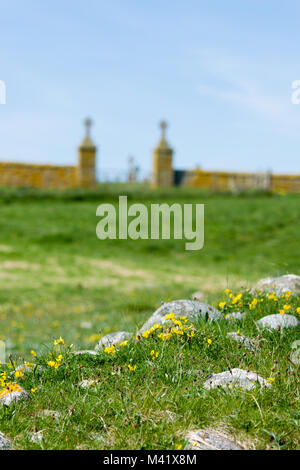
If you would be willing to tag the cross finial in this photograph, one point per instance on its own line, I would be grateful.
(163, 126)
(88, 124)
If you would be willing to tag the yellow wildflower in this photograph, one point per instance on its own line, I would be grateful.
(19, 373)
(58, 341)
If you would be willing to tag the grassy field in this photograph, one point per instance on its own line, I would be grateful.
(58, 279)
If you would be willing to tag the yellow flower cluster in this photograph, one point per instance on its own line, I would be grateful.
(58, 341)
(7, 385)
(237, 299)
(10, 388)
(151, 330)
(253, 304)
(154, 355)
(132, 368)
(55, 364)
(272, 297)
(110, 349)
(180, 327)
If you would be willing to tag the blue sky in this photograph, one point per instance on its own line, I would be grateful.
(220, 72)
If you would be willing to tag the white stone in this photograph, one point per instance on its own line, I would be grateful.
(87, 383)
(191, 309)
(276, 320)
(86, 351)
(113, 338)
(36, 437)
(295, 356)
(235, 316)
(51, 413)
(4, 443)
(210, 440)
(280, 284)
(235, 378)
(198, 296)
(11, 397)
(242, 340)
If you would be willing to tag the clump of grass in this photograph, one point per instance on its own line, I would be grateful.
(147, 393)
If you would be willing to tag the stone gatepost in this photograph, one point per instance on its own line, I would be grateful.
(163, 174)
(87, 159)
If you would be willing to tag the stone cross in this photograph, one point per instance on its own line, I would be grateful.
(88, 124)
(163, 126)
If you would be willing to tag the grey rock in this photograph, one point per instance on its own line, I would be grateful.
(86, 351)
(235, 378)
(36, 437)
(113, 338)
(235, 316)
(275, 320)
(242, 340)
(295, 356)
(25, 369)
(210, 440)
(280, 284)
(4, 443)
(192, 309)
(11, 397)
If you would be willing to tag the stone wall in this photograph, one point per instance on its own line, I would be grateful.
(38, 176)
(54, 176)
(232, 181)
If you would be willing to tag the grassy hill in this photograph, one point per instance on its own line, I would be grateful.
(58, 279)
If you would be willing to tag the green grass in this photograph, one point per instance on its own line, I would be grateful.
(57, 278)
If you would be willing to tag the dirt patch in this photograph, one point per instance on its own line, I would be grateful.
(19, 265)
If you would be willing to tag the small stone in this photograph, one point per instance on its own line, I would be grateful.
(4, 443)
(14, 394)
(295, 357)
(210, 440)
(51, 413)
(36, 437)
(113, 338)
(280, 284)
(25, 368)
(235, 378)
(86, 351)
(87, 383)
(277, 320)
(198, 296)
(97, 437)
(235, 316)
(191, 309)
(242, 340)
